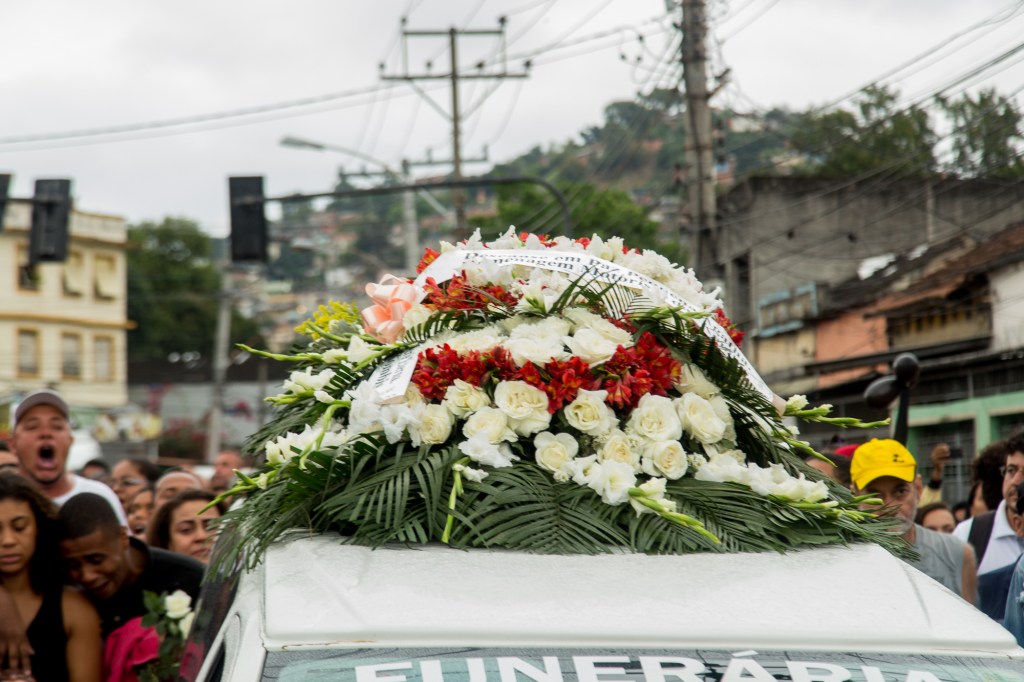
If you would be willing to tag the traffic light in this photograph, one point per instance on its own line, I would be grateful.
(51, 210)
(248, 220)
(5, 185)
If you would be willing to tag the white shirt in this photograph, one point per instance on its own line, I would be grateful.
(1003, 545)
(86, 485)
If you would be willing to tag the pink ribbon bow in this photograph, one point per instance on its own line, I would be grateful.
(392, 299)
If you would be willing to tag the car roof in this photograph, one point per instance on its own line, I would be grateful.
(317, 591)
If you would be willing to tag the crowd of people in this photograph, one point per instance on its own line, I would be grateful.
(973, 546)
(79, 550)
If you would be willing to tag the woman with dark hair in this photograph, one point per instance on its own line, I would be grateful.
(63, 627)
(181, 526)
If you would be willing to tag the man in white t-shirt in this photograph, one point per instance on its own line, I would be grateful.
(41, 440)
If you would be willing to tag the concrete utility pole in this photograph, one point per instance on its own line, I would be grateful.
(222, 337)
(699, 147)
(454, 76)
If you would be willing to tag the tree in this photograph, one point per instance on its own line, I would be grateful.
(877, 137)
(173, 290)
(986, 135)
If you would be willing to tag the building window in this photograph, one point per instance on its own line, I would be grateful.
(71, 356)
(105, 277)
(103, 350)
(74, 274)
(28, 353)
(28, 275)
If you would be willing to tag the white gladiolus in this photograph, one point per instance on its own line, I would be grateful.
(303, 381)
(611, 480)
(359, 350)
(653, 489)
(482, 451)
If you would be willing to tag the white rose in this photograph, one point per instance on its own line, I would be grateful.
(590, 414)
(539, 351)
(185, 624)
(463, 398)
(591, 347)
(177, 604)
(481, 451)
(655, 418)
(692, 380)
(721, 408)
(489, 423)
(526, 406)
(555, 453)
(665, 458)
(699, 419)
(584, 319)
(481, 340)
(618, 447)
(611, 480)
(434, 427)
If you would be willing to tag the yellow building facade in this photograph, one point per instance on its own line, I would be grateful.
(64, 325)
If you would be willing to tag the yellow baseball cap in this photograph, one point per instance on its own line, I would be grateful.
(881, 457)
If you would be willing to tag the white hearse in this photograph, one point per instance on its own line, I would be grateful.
(317, 609)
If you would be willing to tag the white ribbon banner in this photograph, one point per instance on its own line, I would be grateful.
(452, 263)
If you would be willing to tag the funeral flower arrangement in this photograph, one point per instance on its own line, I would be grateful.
(552, 395)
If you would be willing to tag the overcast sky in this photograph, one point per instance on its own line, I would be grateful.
(309, 68)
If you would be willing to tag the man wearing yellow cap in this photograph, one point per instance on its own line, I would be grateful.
(887, 469)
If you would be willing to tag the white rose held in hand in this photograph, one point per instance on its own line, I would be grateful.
(177, 604)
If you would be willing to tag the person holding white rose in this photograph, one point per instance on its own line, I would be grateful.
(115, 571)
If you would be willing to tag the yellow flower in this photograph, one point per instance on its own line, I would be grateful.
(324, 315)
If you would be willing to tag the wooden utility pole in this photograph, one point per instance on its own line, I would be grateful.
(700, 165)
(454, 76)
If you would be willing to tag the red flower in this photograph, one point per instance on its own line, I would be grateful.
(735, 334)
(429, 256)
